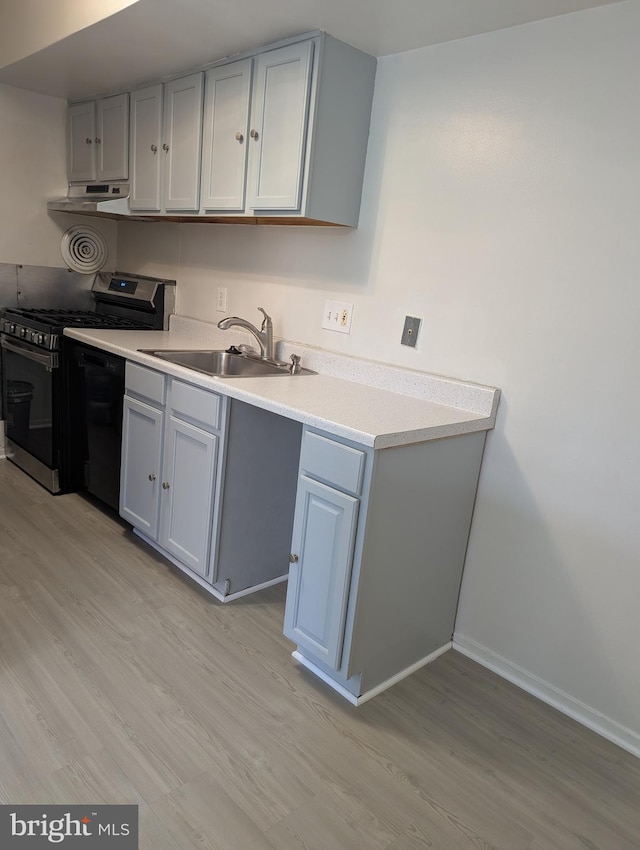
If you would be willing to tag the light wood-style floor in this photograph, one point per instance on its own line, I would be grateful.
(122, 682)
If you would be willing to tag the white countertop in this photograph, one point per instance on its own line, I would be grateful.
(371, 415)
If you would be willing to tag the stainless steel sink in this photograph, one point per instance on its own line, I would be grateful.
(224, 364)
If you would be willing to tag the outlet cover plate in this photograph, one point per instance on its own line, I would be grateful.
(221, 299)
(410, 331)
(337, 316)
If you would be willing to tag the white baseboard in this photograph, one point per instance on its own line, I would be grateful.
(378, 689)
(584, 714)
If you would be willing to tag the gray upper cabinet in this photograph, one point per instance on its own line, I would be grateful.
(112, 138)
(181, 145)
(145, 145)
(226, 131)
(279, 118)
(254, 144)
(285, 133)
(166, 130)
(278, 134)
(81, 133)
(98, 139)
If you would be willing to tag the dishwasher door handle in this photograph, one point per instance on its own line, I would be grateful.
(84, 359)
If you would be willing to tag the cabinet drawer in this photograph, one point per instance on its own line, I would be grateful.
(195, 404)
(333, 462)
(146, 383)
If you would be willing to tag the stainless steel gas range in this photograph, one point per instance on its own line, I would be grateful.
(39, 400)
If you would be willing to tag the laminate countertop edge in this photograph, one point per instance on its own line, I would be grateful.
(373, 416)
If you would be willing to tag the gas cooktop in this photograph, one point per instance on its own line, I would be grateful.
(55, 320)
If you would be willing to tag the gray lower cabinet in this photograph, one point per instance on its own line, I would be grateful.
(379, 543)
(142, 429)
(208, 481)
(320, 573)
(188, 472)
(172, 433)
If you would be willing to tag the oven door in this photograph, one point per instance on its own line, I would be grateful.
(30, 392)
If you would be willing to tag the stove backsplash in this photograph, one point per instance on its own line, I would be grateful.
(42, 286)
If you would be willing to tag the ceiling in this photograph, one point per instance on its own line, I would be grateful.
(152, 39)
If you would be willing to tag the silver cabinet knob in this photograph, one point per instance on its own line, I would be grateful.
(152, 477)
(165, 147)
(154, 149)
(98, 141)
(239, 138)
(293, 559)
(89, 141)
(165, 485)
(254, 134)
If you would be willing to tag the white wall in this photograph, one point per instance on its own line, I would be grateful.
(31, 25)
(502, 206)
(33, 169)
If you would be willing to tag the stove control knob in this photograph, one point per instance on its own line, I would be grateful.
(11, 327)
(40, 339)
(23, 333)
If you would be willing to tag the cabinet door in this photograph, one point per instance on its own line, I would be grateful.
(226, 124)
(278, 136)
(182, 142)
(145, 148)
(323, 536)
(81, 135)
(112, 138)
(141, 461)
(188, 480)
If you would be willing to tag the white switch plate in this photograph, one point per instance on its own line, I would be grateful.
(221, 301)
(337, 316)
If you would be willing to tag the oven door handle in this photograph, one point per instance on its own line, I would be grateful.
(48, 360)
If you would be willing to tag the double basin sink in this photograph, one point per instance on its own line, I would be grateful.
(226, 364)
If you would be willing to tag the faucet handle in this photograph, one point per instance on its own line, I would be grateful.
(295, 366)
(266, 322)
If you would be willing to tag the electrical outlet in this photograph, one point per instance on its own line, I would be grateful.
(337, 316)
(410, 331)
(221, 301)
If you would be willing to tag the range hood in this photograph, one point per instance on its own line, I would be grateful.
(95, 199)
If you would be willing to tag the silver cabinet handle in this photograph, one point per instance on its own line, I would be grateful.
(239, 137)
(165, 485)
(165, 147)
(293, 559)
(154, 149)
(152, 477)
(254, 134)
(89, 141)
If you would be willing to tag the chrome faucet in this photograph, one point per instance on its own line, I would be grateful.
(264, 336)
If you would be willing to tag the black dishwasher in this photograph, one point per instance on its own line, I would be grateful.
(96, 392)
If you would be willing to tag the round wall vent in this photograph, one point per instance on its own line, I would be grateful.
(84, 249)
